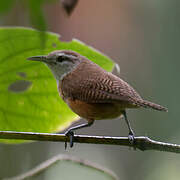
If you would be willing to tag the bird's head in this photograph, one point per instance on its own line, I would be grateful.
(60, 62)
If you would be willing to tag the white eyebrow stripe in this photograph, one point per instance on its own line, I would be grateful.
(67, 55)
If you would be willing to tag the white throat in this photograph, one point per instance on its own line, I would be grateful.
(60, 71)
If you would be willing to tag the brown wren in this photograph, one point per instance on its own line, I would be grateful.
(90, 91)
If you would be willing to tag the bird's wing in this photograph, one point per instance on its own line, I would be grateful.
(102, 89)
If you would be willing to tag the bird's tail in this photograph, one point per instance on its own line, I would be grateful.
(148, 104)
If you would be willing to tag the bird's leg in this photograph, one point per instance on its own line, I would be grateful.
(131, 133)
(70, 132)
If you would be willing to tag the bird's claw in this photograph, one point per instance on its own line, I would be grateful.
(131, 137)
(69, 134)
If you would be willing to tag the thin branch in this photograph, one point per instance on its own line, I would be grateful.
(143, 143)
(46, 164)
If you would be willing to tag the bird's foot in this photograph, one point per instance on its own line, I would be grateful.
(69, 134)
(131, 138)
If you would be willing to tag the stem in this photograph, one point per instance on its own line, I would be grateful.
(143, 143)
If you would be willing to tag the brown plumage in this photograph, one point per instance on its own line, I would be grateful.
(90, 91)
(91, 84)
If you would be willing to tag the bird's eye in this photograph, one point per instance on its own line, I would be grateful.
(61, 59)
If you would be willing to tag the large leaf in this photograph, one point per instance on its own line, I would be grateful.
(29, 100)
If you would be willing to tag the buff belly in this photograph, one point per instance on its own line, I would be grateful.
(96, 111)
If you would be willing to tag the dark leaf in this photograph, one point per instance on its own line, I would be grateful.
(69, 5)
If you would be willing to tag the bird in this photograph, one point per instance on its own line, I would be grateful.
(90, 91)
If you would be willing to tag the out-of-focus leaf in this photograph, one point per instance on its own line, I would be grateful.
(36, 14)
(6, 5)
(29, 100)
(69, 5)
(64, 167)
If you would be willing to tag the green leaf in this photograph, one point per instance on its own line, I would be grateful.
(6, 5)
(36, 14)
(29, 100)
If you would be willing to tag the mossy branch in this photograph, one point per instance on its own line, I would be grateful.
(141, 142)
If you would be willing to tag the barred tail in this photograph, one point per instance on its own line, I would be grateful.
(148, 104)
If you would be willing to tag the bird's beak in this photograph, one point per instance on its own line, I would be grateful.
(38, 58)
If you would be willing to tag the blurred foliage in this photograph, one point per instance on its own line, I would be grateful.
(35, 10)
(64, 167)
(69, 5)
(28, 91)
(36, 14)
(6, 6)
(77, 171)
